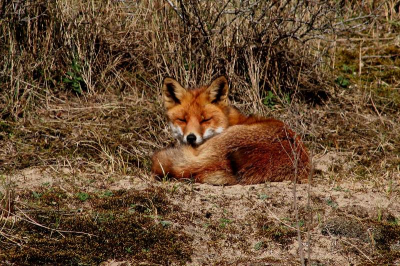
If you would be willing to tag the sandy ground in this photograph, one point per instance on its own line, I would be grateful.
(227, 223)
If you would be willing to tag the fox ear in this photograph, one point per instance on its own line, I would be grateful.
(218, 90)
(173, 92)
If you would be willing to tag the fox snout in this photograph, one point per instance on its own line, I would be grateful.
(194, 139)
(191, 139)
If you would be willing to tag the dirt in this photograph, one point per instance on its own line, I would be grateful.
(344, 222)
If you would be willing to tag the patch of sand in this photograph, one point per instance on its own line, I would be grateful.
(225, 221)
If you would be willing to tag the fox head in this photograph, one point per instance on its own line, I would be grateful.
(196, 115)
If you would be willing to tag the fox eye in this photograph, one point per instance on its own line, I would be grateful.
(181, 120)
(206, 120)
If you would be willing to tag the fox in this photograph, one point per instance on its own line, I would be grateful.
(221, 146)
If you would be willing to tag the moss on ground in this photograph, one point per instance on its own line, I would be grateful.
(121, 225)
(384, 236)
(278, 233)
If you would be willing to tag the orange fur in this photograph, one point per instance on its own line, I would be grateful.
(249, 150)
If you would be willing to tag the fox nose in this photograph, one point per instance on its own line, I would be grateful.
(191, 139)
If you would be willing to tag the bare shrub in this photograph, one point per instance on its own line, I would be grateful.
(257, 43)
(51, 46)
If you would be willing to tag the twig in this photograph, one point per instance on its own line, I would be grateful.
(351, 244)
(174, 8)
(296, 210)
(309, 208)
(296, 156)
(9, 238)
(376, 110)
(279, 220)
(360, 59)
(379, 56)
(29, 219)
(352, 19)
(354, 246)
(364, 39)
(105, 106)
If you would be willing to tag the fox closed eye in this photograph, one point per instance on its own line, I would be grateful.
(181, 120)
(206, 120)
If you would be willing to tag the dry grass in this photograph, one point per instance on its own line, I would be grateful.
(80, 90)
(92, 63)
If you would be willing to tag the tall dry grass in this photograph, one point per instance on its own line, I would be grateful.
(96, 67)
(97, 46)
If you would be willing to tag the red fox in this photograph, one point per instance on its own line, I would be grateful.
(225, 147)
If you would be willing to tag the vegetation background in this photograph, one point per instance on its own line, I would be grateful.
(81, 113)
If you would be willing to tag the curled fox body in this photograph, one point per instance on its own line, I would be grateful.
(225, 147)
